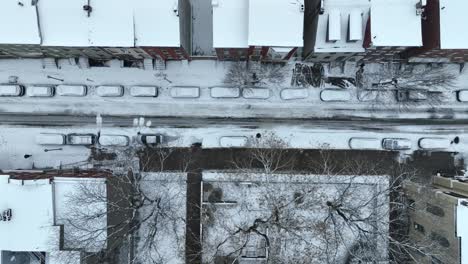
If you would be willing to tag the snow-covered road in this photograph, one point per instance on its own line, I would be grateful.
(202, 74)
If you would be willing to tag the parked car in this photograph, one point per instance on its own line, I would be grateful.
(233, 141)
(411, 95)
(40, 91)
(185, 92)
(434, 143)
(224, 92)
(462, 95)
(396, 143)
(365, 143)
(335, 95)
(81, 139)
(294, 93)
(109, 91)
(462, 178)
(114, 140)
(50, 139)
(11, 90)
(144, 91)
(150, 139)
(71, 90)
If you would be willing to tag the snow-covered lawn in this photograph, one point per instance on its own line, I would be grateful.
(285, 218)
(162, 240)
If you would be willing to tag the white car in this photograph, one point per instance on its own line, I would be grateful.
(81, 139)
(114, 140)
(365, 143)
(71, 90)
(109, 91)
(434, 143)
(40, 91)
(144, 91)
(462, 95)
(396, 143)
(185, 92)
(225, 92)
(335, 95)
(50, 139)
(11, 90)
(294, 93)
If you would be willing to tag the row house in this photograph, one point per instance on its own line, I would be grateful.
(374, 30)
(258, 30)
(100, 30)
(442, 28)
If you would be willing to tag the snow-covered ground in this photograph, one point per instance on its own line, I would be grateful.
(161, 237)
(281, 103)
(17, 141)
(279, 217)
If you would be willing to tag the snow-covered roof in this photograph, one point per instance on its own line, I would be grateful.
(452, 24)
(31, 225)
(276, 23)
(462, 229)
(395, 23)
(36, 206)
(230, 23)
(18, 23)
(156, 23)
(351, 22)
(66, 23)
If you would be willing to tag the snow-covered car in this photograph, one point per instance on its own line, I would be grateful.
(365, 143)
(144, 91)
(50, 139)
(294, 93)
(462, 95)
(114, 140)
(150, 139)
(11, 90)
(185, 92)
(71, 90)
(256, 93)
(40, 91)
(396, 143)
(224, 92)
(109, 91)
(335, 95)
(411, 95)
(233, 141)
(463, 178)
(434, 143)
(81, 139)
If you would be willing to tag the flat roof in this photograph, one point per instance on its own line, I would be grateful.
(230, 23)
(18, 23)
(31, 226)
(156, 23)
(395, 23)
(347, 10)
(276, 23)
(452, 24)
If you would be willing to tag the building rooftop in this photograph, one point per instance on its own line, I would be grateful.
(276, 23)
(230, 23)
(38, 209)
(395, 23)
(347, 19)
(452, 24)
(18, 23)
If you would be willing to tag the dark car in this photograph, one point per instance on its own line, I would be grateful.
(151, 139)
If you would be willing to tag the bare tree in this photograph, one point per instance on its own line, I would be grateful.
(242, 74)
(350, 211)
(142, 208)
